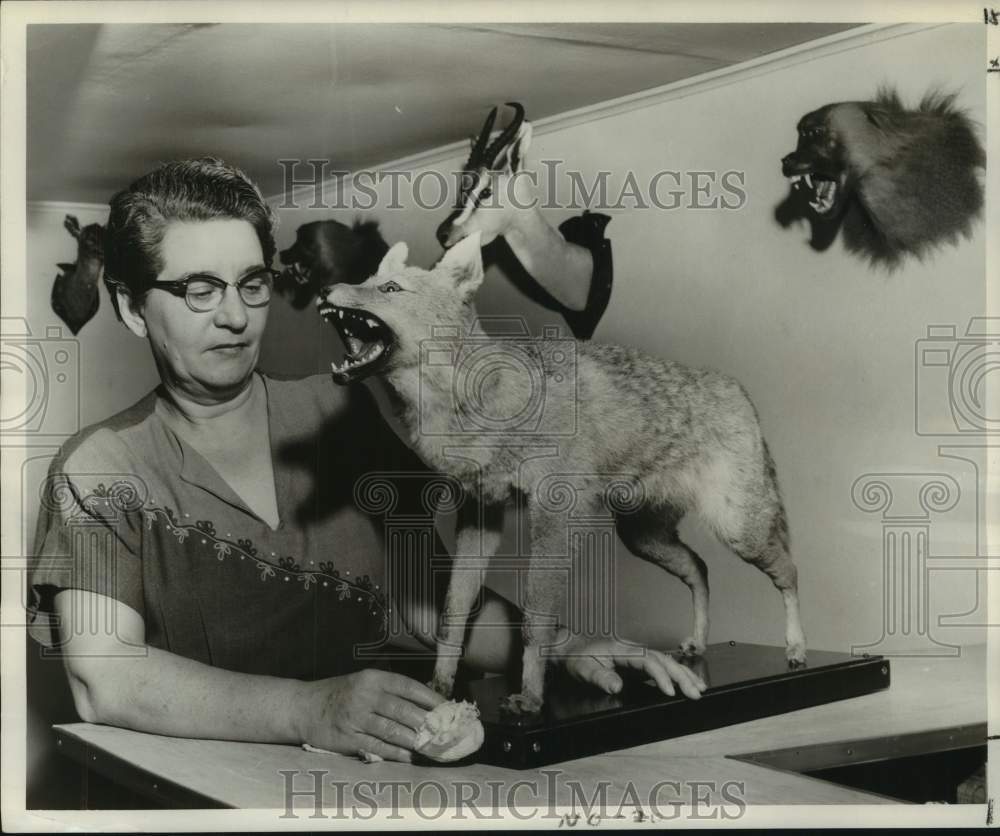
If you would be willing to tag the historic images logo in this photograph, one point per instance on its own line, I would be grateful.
(953, 376)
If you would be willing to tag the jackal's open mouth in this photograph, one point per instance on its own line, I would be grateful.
(368, 339)
(822, 190)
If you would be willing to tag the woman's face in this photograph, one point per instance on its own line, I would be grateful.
(209, 357)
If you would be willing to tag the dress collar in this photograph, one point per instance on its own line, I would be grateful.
(196, 470)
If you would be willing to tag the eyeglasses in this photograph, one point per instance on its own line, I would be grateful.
(205, 293)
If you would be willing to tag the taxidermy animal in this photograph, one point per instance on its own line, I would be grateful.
(75, 292)
(328, 252)
(899, 181)
(496, 203)
(687, 440)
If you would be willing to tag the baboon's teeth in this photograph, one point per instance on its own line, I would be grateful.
(809, 180)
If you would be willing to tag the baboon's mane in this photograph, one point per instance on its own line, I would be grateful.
(924, 189)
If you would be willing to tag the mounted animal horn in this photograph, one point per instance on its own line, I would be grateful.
(479, 146)
(479, 181)
(505, 138)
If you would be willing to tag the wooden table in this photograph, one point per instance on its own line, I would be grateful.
(926, 694)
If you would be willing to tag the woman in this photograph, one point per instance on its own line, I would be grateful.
(214, 524)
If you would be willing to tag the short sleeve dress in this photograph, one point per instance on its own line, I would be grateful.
(134, 513)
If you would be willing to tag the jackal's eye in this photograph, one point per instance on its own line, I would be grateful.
(389, 287)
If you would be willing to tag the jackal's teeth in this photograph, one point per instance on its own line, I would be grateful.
(350, 361)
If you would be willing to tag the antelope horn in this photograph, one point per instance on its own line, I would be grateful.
(519, 146)
(476, 155)
(508, 134)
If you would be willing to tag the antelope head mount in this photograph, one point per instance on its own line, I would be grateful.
(488, 184)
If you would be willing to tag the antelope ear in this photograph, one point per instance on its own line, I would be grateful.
(394, 260)
(464, 264)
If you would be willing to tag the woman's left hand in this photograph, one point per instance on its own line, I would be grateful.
(595, 662)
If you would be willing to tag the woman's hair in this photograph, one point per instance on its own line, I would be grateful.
(186, 190)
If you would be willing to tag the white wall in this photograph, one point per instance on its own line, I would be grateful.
(824, 344)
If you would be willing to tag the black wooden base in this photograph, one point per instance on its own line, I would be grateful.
(746, 681)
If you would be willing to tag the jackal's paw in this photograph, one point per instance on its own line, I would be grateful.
(796, 655)
(520, 705)
(691, 647)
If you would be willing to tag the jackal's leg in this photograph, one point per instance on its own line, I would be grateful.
(546, 581)
(761, 538)
(652, 535)
(476, 541)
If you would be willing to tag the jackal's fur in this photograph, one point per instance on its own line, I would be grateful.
(689, 440)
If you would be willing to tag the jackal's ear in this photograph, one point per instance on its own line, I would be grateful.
(464, 263)
(394, 260)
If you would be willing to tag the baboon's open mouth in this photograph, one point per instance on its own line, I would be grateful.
(822, 190)
(297, 274)
(368, 339)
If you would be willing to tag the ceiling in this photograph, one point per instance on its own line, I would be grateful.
(108, 102)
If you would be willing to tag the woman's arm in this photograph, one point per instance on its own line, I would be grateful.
(120, 681)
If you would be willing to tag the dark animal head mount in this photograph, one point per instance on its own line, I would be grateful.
(75, 293)
(487, 162)
(90, 239)
(896, 181)
(327, 253)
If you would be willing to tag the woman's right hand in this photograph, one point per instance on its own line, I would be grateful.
(369, 711)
